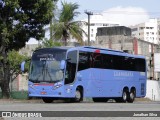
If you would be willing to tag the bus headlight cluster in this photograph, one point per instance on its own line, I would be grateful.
(57, 86)
(31, 86)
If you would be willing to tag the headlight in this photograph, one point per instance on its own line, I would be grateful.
(57, 86)
(31, 86)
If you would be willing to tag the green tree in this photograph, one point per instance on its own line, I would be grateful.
(15, 59)
(65, 27)
(20, 20)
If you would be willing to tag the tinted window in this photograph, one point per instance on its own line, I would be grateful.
(97, 60)
(85, 60)
(107, 61)
(140, 65)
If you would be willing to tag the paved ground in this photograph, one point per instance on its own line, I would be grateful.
(38, 105)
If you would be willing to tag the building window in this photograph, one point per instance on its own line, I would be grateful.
(92, 24)
(105, 24)
(141, 28)
(134, 29)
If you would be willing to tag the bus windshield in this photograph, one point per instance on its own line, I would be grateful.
(45, 66)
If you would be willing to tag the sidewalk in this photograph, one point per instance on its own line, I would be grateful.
(19, 100)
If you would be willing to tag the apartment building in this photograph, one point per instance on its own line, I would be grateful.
(148, 31)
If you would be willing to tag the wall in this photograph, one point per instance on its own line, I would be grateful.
(153, 90)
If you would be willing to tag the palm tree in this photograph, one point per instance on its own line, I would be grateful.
(65, 27)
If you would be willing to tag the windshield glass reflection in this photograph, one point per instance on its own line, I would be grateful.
(45, 67)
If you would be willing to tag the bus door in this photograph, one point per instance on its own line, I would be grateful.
(70, 73)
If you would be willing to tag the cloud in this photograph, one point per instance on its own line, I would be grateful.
(126, 15)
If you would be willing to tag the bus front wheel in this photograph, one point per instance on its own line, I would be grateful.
(78, 96)
(47, 100)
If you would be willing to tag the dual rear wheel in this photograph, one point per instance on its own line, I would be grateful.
(127, 97)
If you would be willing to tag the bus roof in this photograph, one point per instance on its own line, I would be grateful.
(112, 51)
(93, 48)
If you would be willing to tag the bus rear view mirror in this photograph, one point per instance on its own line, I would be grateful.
(62, 64)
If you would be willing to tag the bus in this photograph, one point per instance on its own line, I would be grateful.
(74, 73)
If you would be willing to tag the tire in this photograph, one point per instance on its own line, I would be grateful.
(78, 96)
(125, 96)
(47, 100)
(131, 97)
(99, 99)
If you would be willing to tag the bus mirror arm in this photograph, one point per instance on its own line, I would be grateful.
(68, 59)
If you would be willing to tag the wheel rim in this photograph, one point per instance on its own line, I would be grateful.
(132, 96)
(124, 96)
(78, 95)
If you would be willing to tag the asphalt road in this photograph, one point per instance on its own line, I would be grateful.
(35, 106)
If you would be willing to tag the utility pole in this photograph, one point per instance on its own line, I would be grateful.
(89, 13)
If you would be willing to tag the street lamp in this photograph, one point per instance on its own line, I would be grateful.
(89, 13)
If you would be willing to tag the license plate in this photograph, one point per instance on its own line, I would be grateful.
(43, 93)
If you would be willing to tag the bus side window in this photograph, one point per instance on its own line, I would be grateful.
(107, 61)
(140, 65)
(97, 60)
(84, 60)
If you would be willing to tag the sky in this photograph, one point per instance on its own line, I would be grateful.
(125, 12)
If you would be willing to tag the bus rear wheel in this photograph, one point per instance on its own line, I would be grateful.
(47, 100)
(125, 96)
(131, 97)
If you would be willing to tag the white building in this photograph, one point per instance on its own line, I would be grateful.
(95, 22)
(148, 31)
